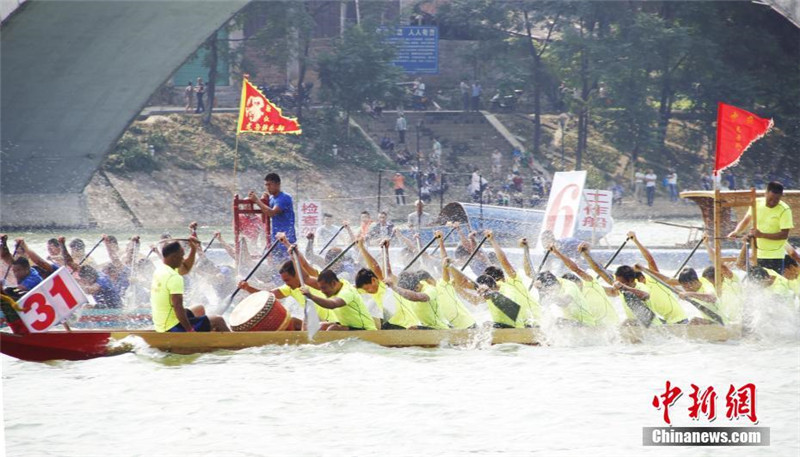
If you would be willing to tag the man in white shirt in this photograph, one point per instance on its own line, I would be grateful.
(638, 185)
(672, 184)
(650, 185)
(418, 218)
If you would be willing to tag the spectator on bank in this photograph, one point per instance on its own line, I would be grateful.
(638, 185)
(200, 92)
(436, 156)
(477, 90)
(617, 192)
(188, 96)
(707, 180)
(418, 218)
(465, 93)
(399, 182)
(401, 125)
(386, 143)
(497, 163)
(672, 186)
(650, 185)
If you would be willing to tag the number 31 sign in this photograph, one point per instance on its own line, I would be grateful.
(50, 302)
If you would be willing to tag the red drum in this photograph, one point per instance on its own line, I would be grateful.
(260, 312)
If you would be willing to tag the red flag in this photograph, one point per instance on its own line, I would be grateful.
(737, 129)
(259, 115)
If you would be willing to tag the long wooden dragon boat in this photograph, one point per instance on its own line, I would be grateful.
(88, 344)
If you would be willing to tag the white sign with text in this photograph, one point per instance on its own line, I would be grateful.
(563, 204)
(51, 301)
(310, 216)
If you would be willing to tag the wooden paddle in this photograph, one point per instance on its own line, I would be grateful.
(90, 252)
(477, 248)
(210, 243)
(249, 275)
(619, 249)
(331, 240)
(685, 261)
(701, 307)
(310, 316)
(446, 236)
(419, 254)
(341, 254)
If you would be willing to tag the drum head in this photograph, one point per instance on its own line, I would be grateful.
(250, 306)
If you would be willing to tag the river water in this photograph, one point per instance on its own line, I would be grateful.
(351, 398)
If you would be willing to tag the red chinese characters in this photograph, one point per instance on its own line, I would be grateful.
(668, 398)
(704, 403)
(739, 402)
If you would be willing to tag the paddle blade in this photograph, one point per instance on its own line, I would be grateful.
(642, 313)
(311, 319)
(508, 306)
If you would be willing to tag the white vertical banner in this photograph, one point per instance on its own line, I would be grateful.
(563, 205)
(595, 213)
(310, 216)
(51, 302)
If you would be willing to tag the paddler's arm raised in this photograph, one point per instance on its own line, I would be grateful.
(405, 293)
(526, 257)
(570, 264)
(130, 250)
(5, 254)
(228, 248)
(440, 241)
(465, 240)
(113, 251)
(501, 256)
(69, 262)
(409, 244)
(445, 269)
(651, 262)
(188, 262)
(329, 303)
(583, 249)
(34, 257)
(368, 259)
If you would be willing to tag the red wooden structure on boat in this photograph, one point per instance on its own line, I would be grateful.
(249, 222)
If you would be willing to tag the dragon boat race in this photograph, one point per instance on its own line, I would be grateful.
(400, 228)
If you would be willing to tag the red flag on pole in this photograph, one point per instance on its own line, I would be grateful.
(259, 115)
(737, 129)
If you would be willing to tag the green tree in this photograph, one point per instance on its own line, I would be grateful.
(358, 70)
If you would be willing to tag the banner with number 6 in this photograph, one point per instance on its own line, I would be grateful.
(51, 302)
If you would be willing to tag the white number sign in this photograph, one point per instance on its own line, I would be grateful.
(52, 301)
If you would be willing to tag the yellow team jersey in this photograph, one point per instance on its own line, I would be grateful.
(599, 304)
(354, 313)
(577, 310)
(428, 311)
(325, 315)
(166, 282)
(780, 288)
(718, 307)
(513, 288)
(771, 220)
(664, 303)
(731, 298)
(499, 317)
(451, 308)
(395, 311)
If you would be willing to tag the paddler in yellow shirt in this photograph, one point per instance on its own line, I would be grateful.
(566, 295)
(510, 284)
(596, 295)
(396, 312)
(702, 290)
(450, 306)
(418, 288)
(343, 298)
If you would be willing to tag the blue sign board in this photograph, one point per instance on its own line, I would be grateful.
(417, 48)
